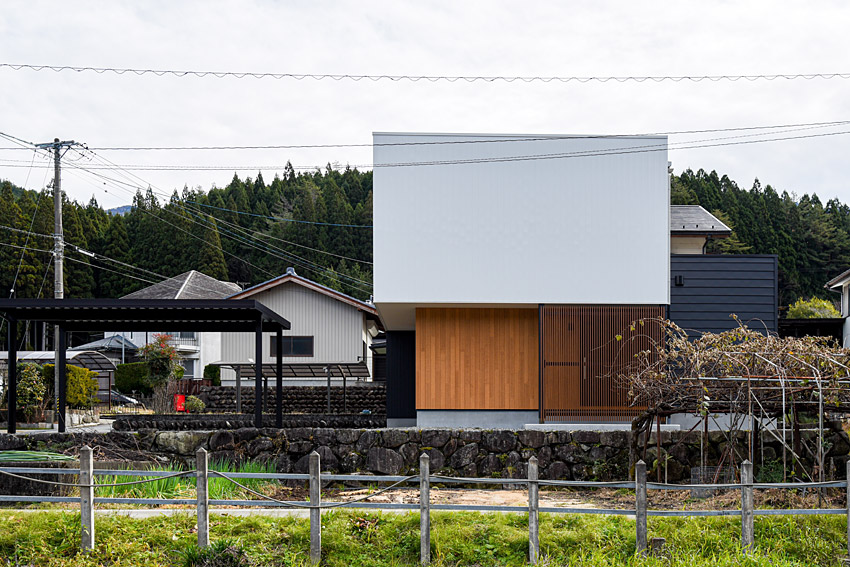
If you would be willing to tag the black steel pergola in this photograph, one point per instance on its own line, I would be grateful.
(157, 315)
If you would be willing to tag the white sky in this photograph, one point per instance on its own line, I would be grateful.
(440, 38)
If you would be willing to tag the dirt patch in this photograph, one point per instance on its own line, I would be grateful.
(614, 499)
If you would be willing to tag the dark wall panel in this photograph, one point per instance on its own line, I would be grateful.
(713, 287)
(401, 374)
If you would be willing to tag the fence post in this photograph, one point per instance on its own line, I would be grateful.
(640, 506)
(533, 513)
(315, 511)
(747, 506)
(847, 477)
(424, 509)
(86, 499)
(202, 489)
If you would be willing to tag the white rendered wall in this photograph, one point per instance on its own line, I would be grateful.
(687, 244)
(585, 229)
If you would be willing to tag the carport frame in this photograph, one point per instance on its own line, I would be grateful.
(164, 315)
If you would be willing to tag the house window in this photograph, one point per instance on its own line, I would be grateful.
(188, 365)
(293, 346)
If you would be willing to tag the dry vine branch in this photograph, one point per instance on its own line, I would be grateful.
(738, 372)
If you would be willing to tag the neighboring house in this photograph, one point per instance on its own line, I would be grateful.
(841, 284)
(196, 349)
(706, 289)
(691, 227)
(116, 348)
(329, 328)
(506, 266)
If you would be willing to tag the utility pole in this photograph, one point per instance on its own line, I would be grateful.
(59, 149)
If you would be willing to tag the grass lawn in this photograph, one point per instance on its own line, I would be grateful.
(51, 539)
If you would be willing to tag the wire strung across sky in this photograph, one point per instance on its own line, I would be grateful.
(673, 146)
(696, 78)
(274, 251)
(72, 247)
(33, 249)
(482, 139)
(245, 238)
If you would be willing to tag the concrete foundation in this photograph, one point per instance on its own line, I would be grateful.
(483, 419)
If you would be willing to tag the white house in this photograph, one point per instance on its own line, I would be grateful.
(329, 328)
(841, 284)
(196, 349)
(505, 264)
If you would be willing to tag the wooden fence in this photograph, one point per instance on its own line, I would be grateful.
(202, 473)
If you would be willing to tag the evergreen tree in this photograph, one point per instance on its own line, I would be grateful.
(729, 245)
(117, 246)
(210, 257)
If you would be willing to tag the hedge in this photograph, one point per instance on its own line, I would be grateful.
(213, 372)
(131, 378)
(81, 389)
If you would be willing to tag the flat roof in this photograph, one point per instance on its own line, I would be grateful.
(213, 315)
(531, 137)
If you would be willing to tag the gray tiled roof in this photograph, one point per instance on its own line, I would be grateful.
(189, 285)
(693, 219)
(111, 342)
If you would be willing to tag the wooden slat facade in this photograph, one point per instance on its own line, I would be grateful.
(477, 359)
(581, 357)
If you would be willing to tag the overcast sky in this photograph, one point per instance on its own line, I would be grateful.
(595, 38)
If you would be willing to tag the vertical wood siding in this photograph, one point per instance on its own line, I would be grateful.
(582, 357)
(477, 358)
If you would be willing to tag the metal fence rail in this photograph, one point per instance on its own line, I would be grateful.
(202, 474)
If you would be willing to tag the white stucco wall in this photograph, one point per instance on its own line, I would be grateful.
(513, 229)
(687, 244)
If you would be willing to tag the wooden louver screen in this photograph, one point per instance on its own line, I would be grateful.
(581, 357)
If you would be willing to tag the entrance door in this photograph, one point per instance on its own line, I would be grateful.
(581, 358)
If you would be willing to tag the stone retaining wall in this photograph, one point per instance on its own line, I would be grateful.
(576, 455)
(206, 421)
(300, 399)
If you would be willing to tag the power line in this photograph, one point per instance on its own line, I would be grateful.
(181, 229)
(504, 140)
(275, 251)
(75, 260)
(40, 290)
(282, 219)
(696, 144)
(16, 140)
(281, 254)
(236, 226)
(424, 78)
(268, 249)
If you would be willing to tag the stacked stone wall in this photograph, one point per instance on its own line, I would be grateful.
(207, 422)
(301, 399)
(564, 455)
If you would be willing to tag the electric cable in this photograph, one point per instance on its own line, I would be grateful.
(424, 78)
(274, 251)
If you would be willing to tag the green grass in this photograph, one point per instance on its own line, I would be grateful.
(174, 487)
(184, 487)
(220, 488)
(51, 539)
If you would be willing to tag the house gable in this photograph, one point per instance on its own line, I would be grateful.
(338, 327)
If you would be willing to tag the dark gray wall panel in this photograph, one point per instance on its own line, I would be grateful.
(401, 374)
(716, 286)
